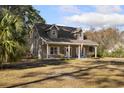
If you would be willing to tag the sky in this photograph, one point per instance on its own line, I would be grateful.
(84, 16)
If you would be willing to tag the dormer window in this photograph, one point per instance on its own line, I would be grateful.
(53, 31)
(53, 34)
(78, 36)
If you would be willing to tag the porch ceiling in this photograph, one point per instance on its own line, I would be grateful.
(74, 42)
(64, 43)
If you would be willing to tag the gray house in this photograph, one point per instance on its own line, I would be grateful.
(53, 41)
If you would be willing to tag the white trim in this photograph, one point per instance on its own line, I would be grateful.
(95, 52)
(58, 50)
(68, 51)
(84, 52)
(64, 43)
(81, 50)
(79, 54)
(53, 25)
(47, 49)
(32, 48)
(68, 43)
(39, 52)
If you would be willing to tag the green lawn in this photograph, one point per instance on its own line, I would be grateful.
(65, 73)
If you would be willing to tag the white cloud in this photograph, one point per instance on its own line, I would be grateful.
(70, 9)
(61, 24)
(108, 8)
(103, 15)
(94, 18)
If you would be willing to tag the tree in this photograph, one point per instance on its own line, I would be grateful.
(29, 15)
(12, 36)
(106, 38)
(16, 23)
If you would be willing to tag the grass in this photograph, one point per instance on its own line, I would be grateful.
(72, 60)
(71, 73)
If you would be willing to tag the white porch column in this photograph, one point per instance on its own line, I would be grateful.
(39, 52)
(68, 51)
(58, 50)
(81, 50)
(47, 49)
(95, 51)
(32, 48)
(84, 51)
(79, 54)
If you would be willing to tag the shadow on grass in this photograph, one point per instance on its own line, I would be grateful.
(112, 82)
(39, 63)
(43, 63)
(109, 62)
(76, 74)
(55, 76)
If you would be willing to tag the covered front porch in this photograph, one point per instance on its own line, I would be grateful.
(53, 50)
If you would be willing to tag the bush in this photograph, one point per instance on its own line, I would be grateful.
(106, 54)
(100, 53)
(117, 53)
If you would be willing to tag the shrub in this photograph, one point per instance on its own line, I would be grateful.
(117, 53)
(100, 52)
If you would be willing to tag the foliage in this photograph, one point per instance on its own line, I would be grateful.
(16, 23)
(100, 52)
(117, 53)
(28, 14)
(12, 36)
(106, 38)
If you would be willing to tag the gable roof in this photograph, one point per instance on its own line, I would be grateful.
(65, 34)
(53, 26)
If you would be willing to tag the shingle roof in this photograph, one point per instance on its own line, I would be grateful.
(64, 32)
(65, 35)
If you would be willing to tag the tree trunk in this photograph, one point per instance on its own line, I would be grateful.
(6, 58)
(1, 65)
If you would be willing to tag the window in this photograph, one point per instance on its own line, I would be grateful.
(78, 36)
(53, 50)
(91, 49)
(54, 32)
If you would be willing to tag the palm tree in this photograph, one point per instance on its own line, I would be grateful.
(16, 23)
(12, 36)
(29, 16)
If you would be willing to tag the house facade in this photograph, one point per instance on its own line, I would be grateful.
(53, 41)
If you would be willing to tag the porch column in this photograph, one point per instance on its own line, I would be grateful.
(47, 48)
(95, 51)
(32, 48)
(58, 50)
(39, 51)
(79, 52)
(84, 51)
(68, 51)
